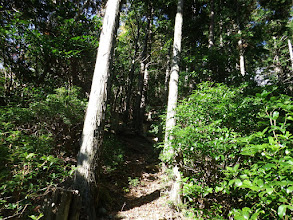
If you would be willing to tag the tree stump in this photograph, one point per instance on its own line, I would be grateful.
(62, 204)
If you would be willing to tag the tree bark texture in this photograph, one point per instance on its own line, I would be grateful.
(167, 75)
(89, 155)
(174, 76)
(62, 204)
(172, 101)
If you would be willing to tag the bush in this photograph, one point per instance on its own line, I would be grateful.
(264, 175)
(234, 151)
(33, 151)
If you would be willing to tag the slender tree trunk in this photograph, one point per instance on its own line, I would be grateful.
(143, 80)
(89, 156)
(289, 76)
(278, 68)
(174, 76)
(131, 76)
(212, 64)
(145, 86)
(240, 42)
(221, 33)
(138, 119)
(172, 99)
(291, 53)
(144, 96)
(212, 24)
(241, 55)
(167, 76)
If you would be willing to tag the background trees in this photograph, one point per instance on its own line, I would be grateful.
(48, 43)
(47, 56)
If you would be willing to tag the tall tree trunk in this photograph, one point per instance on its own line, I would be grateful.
(277, 67)
(172, 98)
(291, 53)
(142, 83)
(212, 64)
(212, 24)
(289, 76)
(167, 76)
(174, 76)
(241, 54)
(240, 41)
(131, 75)
(89, 156)
(143, 99)
(221, 33)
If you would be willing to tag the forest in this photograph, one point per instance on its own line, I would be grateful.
(103, 101)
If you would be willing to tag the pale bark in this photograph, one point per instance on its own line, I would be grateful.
(144, 89)
(143, 77)
(291, 53)
(88, 158)
(172, 100)
(278, 68)
(174, 195)
(212, 24)
(174, 76)
(241, 55)
(143, 100)
(291, 58)
(167, 74)
(221, 34)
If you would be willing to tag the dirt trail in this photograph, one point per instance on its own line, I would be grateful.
(137, 189)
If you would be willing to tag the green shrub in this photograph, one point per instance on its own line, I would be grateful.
(113, 152)
(264, 174)
(37, 142)
(235, 152)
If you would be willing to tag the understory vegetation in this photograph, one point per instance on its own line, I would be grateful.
(234, 148)
(39, 144)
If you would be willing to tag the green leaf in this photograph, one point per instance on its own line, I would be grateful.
(275, 115)
(30, 155)
(256, 214)
(246, 212)
(235, 168)
(218, 189)
(269, 190)
(282, 210)
(289, 189)
(247, 183)
(238, 182)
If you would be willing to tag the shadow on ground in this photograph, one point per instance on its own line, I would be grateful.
(141, 160)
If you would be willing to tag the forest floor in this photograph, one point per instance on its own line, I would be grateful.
(138, 188)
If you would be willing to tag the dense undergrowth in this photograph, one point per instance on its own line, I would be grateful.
(40, 137)
(233, 146)
(39, 140)
(234, 149)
